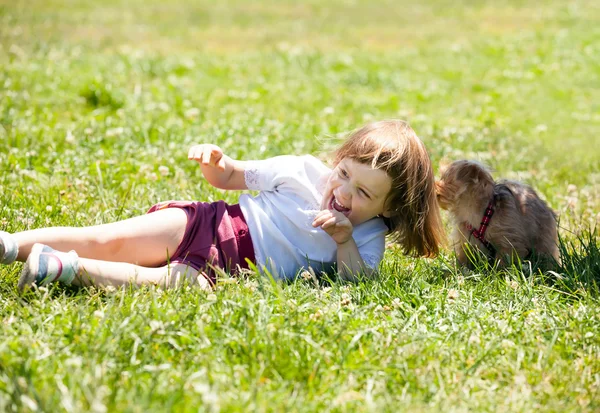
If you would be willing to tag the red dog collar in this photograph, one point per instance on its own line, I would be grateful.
(480, 233)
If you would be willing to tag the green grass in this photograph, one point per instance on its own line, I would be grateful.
(96, 97)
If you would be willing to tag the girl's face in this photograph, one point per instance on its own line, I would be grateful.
(357, 191)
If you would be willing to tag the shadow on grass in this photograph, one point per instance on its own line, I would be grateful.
(578, 273)
(580, 267)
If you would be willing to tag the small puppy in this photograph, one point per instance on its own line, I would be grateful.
(503, 220)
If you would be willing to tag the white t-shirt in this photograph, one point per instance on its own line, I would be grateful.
(280, 218)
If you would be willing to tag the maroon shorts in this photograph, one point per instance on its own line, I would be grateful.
(216, 236)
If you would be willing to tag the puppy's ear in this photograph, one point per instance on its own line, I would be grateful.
(440, 188)
(474, 172)
(444, 164)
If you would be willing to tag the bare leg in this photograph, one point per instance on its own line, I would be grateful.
(145, 240)
(105, 273)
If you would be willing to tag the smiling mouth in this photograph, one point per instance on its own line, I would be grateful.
(335, 205)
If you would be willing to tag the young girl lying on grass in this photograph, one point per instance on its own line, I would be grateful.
(305, 215)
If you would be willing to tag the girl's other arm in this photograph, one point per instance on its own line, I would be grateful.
(219, 169)
(349, 262)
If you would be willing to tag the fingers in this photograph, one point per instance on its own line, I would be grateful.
(207, 154)
(192, 153)
(334, 223)
(196, 152)
(221, 163)
(321, 217)
(331, 222)
(327, 219)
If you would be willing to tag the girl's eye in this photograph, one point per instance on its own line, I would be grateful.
(343, 173)
(363, 193)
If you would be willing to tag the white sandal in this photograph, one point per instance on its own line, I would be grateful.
(9, 249)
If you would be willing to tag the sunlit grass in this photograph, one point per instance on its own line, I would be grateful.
(99, 102)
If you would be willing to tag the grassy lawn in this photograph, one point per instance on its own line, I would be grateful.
(100, 101)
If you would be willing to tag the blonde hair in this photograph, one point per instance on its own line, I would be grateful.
(392, 146)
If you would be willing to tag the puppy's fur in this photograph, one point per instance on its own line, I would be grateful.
(522, 225)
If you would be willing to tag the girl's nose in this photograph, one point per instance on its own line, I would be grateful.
(345, 194)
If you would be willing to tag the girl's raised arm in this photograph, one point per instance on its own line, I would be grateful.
(219, 169)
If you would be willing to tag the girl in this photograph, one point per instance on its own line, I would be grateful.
(305, 216)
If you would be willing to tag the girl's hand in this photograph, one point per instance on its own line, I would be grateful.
(208, 154)
(336, 224)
